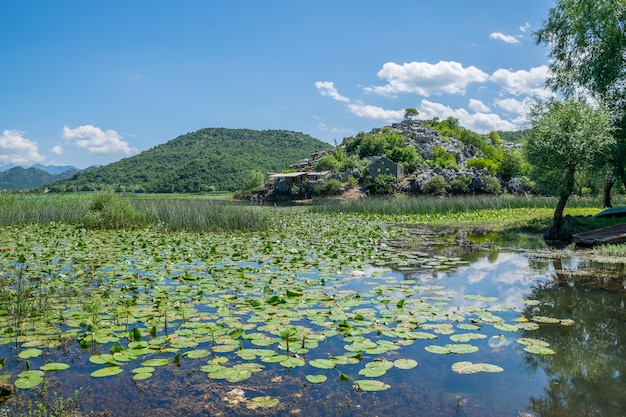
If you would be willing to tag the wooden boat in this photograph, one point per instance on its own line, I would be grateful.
(619, 211)
(612, 234)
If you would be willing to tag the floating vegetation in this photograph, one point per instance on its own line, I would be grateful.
(316, 297)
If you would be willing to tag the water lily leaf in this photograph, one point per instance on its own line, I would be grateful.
(323, 363)
(30, 353)
(262, 402)
(466, 326)
(539, 350)
(462, 348)
(316, 379)
(439, 350)
(155, 362)
(26, 383)
(292, 362)
(544, 319)
(405, 363)
(527, 341)
(506, 327)
(143, 370)
(54, 366)
(196, 354)
(109, 371)
(531, 302)
(370, 385)
(139, 376)
(465, 367)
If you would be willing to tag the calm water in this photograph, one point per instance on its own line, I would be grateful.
(585, 377)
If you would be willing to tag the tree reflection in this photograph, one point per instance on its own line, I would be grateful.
(587, 375)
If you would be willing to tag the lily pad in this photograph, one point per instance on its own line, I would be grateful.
(539, 350)
(54, 366)
(370, 385)
(155, 362)
(30, 353)
(108, 371)
(262, 402)
(316, 379)
(465, 367)
(323, 363)
(405, 363)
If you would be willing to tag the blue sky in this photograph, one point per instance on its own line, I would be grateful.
(86, 82)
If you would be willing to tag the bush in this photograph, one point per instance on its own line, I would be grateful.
(460, 185)
(331, 187)
(110, 211)
(492, 185)
(443, 158)
(436, 185)
(383, 184)
(480, 163)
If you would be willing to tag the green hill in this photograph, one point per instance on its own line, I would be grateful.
(208, 159)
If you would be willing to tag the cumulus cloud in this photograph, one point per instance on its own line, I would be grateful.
(375, 112)
(478, 106)
(57, 150)
(523, 82)
(513, 106)
(17, 149)
(525, 27)
(504, 38)
(478, 122)
(425, 79)
(327, 88)
(97, 141)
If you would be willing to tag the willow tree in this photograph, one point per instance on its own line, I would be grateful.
(566, 137)
(588, 53)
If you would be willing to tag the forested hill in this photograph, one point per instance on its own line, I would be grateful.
(205, 160)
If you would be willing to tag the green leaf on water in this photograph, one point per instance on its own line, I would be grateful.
(462, 348)
(323, 363)
(196, 354)
(109, 371)
(465, 367)
(155, 362)
(262, 402)
(405, 363)
(54, 366)
(316, 379)
(439, 350)
(30, 353)
(139, 376)
(370, 385)
(539, 350)
(505, 327)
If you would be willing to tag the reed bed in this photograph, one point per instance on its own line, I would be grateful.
(108, 210)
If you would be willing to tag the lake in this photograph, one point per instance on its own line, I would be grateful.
(197, 325)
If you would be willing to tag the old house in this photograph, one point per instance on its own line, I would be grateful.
(384, 165)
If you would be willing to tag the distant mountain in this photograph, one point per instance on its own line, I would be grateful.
(19, 178)
(208, 159)
(55, 169)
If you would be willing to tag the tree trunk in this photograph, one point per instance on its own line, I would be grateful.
(558, 233)
(608, 186)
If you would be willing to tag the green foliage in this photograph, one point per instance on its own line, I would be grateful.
(328, 163)
(460, 185)
(443, 158)
(492, 185)
(516, 136)
(383, 184)
(410, 113)
(110, 211)
(200, 161)
(367, 145)
(330, 187)
(19, 178)
(566, 137)
(407, 157)
(512, 165)
(480, 163)
(436, 185)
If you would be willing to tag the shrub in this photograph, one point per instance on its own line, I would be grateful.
(331, 187)
(460, 185)
(383, 184)
(480, 163)
(443, 158)
(110, 211)
(492, 185)
(436, 185)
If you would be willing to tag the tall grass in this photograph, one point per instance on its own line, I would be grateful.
(429, 205)
(107, 210)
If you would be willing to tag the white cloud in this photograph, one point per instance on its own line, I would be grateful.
(375, 112)
(57, 150)
(525, 27)
(97, 141)
(16, 149)
(327, 88)
(423, 78)
(523, 82)
(505, 38)
(513, 106)
(478, 106)
(478, 122)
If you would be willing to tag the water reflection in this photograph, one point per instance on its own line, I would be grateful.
(586, 376)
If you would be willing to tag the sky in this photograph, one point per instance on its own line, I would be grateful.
(87, 83)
